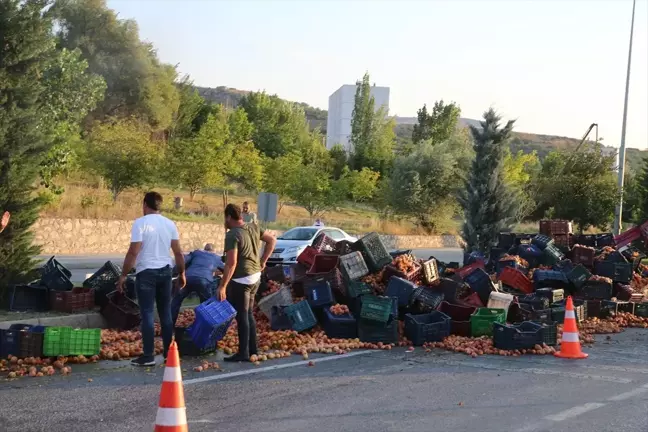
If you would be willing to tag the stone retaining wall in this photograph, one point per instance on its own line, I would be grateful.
(95, 236)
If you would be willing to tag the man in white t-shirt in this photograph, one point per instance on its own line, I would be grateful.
(151, 238)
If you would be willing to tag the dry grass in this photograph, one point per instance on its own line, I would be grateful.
(87, 200)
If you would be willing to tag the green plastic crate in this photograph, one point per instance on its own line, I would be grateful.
(376, 308)
(481, 322)
(85, 342)
(551, 255)
(57, 341)
(357, 289)
(641, 310)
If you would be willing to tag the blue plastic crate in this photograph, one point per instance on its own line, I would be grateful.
(339, 326)
(374, 332)
(617, 271)
(542, 241)
(531, 253)
(319, 294)
(402, 289)
(517, 336)
(480, 282)
(213, 318)
(9, 342)
(430, 327)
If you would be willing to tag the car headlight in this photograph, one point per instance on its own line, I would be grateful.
(294, 250)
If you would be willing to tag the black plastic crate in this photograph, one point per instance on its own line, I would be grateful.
(103, 281)
(357, 289)
(450, 288)
(9, 342)
(617, 271)
(549, 332)
(517, 336)
(426, 300)
(520, 312)
(319, 294)
(564, 266)
(51, 265)
(598, 309)
(121, 312)
(402, 289)
(552, 294)
(535, 301)
(339, 326)
(532, 254)
(616, 307)
(188, 348)
(641, 310)
(549, 279)
(397, 253)
(580, 310)
(595, 290)
(29, 298)
(278, 319)
(578, 276)
(55, 276)
(429, 327)
(373, 332)
(506, 240)
(374, 252)
(586, 240)
(603, 240)
(480, 282)
(634, 256)
(353, 266)
(616, 257)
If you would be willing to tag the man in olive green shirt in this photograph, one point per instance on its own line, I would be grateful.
(242, 275)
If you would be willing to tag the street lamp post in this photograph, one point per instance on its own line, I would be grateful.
(619, 209)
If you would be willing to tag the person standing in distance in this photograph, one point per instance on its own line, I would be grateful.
(242, 275)
(151, 238)
(248, 217)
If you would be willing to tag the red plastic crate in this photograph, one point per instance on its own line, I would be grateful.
(583, 255)
(516, 279)
(472, 300)
(627, 237)
(564, 240)
(553, 227)
(466, 270)
(323, 264)
(324, 243)
(308, 256)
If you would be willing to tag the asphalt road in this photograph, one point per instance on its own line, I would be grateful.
(365, 391)
(80, 266)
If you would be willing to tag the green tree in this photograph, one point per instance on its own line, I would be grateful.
(314, 190)
(642, 190)
(360, 185)
(138, 84)
(372, 132)
(188, 119)
(279, 126)
(27, 129)
(339, 160)
(123, 154)
(580, 187)
(423, 185)
(280, 174)
(70, 94)
(438, 126)
(632, 197)
(489, 203)
(519, 171)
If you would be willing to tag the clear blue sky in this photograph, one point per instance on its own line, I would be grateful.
(554, 65)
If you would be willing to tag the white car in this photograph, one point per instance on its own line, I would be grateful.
(293, 242)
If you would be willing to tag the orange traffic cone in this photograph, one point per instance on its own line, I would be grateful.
(172, 414)
(570, 347)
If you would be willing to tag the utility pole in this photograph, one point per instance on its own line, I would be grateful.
(619, 209)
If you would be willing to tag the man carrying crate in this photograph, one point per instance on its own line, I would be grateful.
(152, 236)
(200, 268)
(242, 275)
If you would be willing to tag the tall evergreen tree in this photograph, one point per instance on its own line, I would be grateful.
(372, 132)
(489, 204)
(642, 186)
(27, 48)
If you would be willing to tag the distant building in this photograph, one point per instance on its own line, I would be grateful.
(340, 110)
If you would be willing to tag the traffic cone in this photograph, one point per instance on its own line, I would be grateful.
(570, 347)
(172, 414)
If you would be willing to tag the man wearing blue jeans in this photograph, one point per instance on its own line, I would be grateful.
(151, 238)
(200, 266)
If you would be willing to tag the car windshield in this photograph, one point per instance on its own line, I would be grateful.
(298, 234)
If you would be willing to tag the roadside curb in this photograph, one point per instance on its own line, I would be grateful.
(83, 321)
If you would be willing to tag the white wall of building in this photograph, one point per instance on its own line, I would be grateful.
(340, 110)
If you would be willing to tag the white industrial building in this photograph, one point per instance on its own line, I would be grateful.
(340, 110)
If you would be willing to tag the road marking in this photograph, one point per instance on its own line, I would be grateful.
(275, 367)
(536, 371)
(574, 411)
(629, 394)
